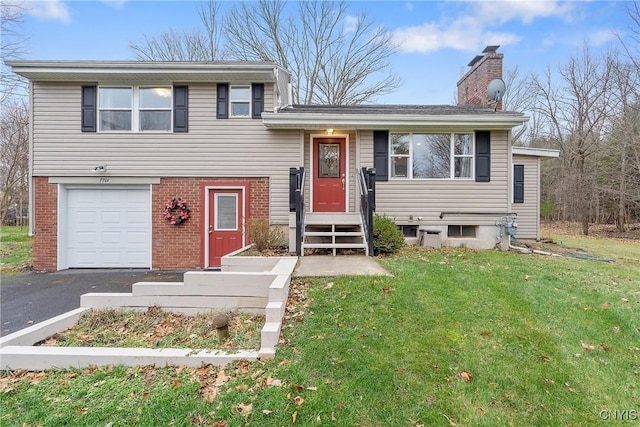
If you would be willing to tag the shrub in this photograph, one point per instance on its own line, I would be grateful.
(263, 235)
(387, 237)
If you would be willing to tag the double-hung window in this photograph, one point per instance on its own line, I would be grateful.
(115, 108)
(431, 156)
(240, 99)
(155, 108)
(135, 109)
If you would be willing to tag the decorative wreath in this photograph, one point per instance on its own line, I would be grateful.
(176, 211)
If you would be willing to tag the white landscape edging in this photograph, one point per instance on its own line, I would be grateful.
(17, 350)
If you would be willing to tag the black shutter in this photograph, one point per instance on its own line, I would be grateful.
(518, 183)
(483, 156)
(89, 107)
(381, 154)
(223, 101)
(181, 108)
(257, 100)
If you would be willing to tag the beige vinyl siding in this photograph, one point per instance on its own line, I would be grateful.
(400, 199)
(212, 148)
(529, 211)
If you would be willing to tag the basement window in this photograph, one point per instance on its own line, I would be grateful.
(461, 231)
(409, 230)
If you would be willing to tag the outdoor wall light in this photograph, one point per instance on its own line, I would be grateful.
(329, 131)
(100, 169)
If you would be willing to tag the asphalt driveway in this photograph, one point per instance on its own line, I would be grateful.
(29, 298)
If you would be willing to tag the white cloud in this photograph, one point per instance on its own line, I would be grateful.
(525, 11)
(48, 10)
(350, 23)
(478, 27)
(601, 37)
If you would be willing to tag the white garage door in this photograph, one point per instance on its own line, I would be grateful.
(108, 228)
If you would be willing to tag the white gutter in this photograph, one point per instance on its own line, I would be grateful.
(31, 189)
(536, 152)
(385, 121)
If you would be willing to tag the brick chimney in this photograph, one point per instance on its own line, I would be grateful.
(472, 87)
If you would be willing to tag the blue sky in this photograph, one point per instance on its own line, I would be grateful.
(436, 39)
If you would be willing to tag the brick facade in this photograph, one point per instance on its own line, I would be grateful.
(173, 247)
(472, 87)
(45, 239)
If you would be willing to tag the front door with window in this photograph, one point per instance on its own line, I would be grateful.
(225, 223)
(329, 175)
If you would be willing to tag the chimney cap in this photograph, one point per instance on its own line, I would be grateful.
(475, 60)
(490, 49)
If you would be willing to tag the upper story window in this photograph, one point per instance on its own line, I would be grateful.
(240, 99)
(137, 109)
(115, 108)
(155, 108)
(431, 156)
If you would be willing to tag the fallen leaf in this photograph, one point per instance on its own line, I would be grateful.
(387, 290)
(605, 347)
(486, 333)
(587, 346)
(267, 412)
(284, 362)
(294, 417)
(245, 409)
(624, 300)
(481, 410)
(526, 277)
(312, 388)
(605, 306)
(328, 286)
(544, 358)
(82, 410)
(298, 400)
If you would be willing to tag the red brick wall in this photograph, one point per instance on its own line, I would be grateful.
(181, 246)
(45, 239)
(472, 87)
(173, 246)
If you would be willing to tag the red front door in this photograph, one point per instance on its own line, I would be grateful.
(329, 174)
(225, 223)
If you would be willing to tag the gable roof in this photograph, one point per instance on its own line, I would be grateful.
(390, 116)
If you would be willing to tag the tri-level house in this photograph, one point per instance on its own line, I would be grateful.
(162, 164)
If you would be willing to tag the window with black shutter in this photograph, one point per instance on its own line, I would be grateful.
(483, 156)
(89, 108)
(257, 100)
(518, 183)
(181, 109)
(381, 154)
(222, 105)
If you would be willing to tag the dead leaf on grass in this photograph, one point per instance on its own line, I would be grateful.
(587, 346)
(616, 329)
(294, 417)
(605, 306)
(298, 400)
(82, 410)
(244, 409)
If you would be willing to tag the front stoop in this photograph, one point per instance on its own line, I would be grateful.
(334, 231)
(263, 292)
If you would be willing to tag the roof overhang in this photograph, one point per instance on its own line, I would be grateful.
(391, 121)
(536, 152)
(114, 71)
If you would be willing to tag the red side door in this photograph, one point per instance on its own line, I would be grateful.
(225, 223)
(329, 174)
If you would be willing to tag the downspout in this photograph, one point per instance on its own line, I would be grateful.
(30, 183)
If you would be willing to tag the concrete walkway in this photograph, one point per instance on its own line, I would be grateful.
(343, 265)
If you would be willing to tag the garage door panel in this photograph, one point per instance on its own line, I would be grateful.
(108, 228)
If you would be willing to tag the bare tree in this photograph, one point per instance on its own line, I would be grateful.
(334, 58)
(631, 44)
(12, 47)
(14, 154)
(576, 106)
(199, 44)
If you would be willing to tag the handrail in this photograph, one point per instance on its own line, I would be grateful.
(367, 188)
(296, 203)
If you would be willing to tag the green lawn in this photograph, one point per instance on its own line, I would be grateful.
(15, 249)
(455, 337)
